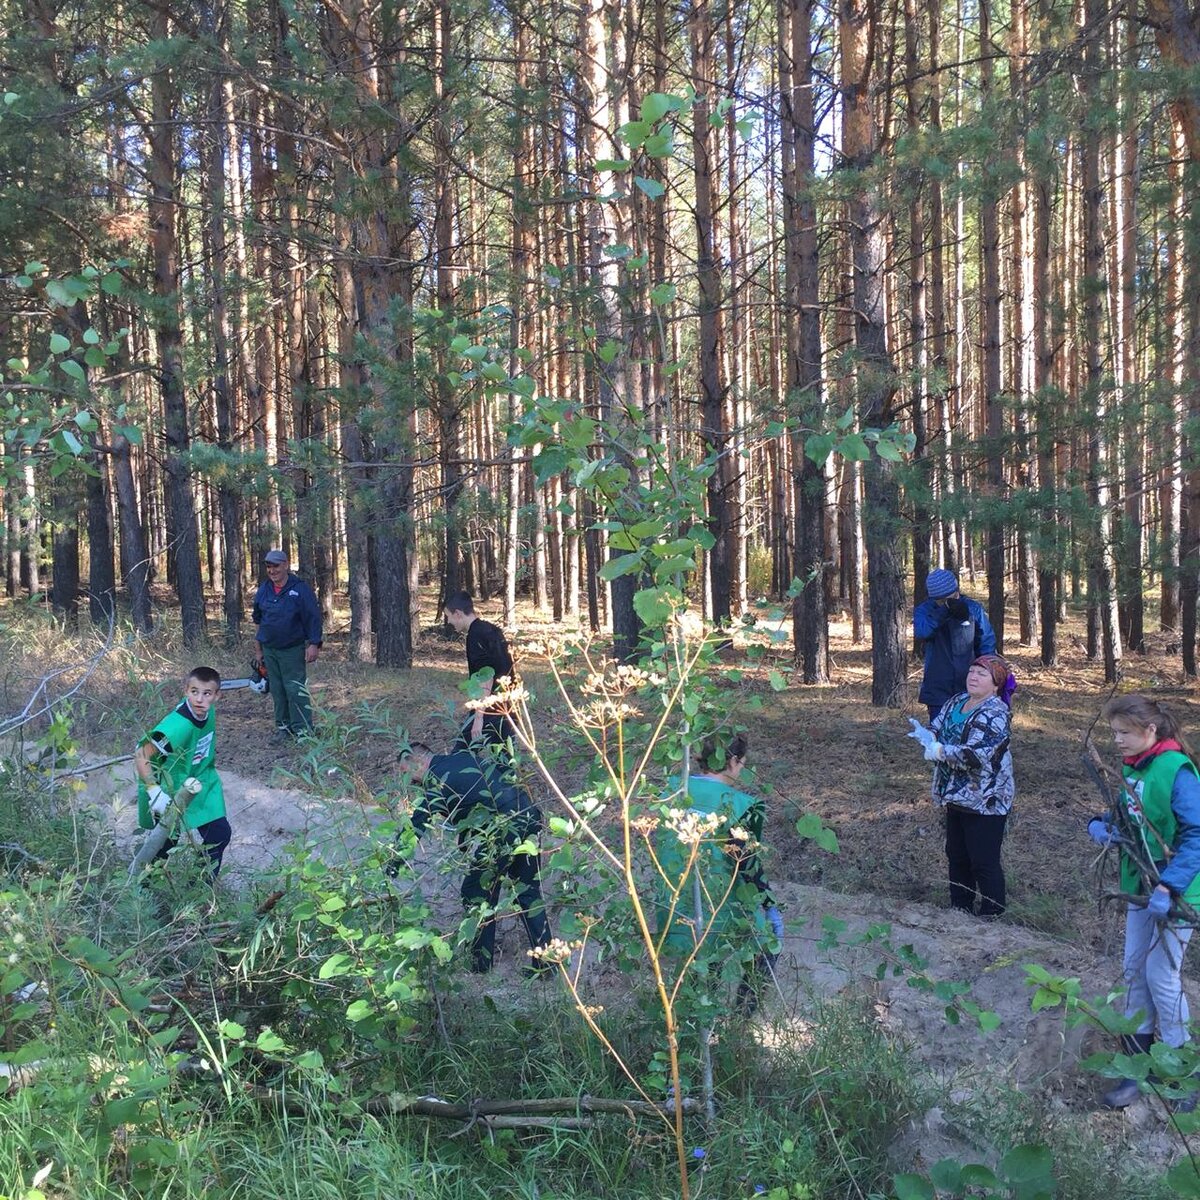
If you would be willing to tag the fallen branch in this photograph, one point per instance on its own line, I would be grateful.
(13, 848)
(108, 762)
(162, 833)
(528, 1112)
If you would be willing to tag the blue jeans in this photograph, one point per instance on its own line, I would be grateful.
(1153, 962)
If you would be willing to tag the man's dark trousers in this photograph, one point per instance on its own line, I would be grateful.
(491, 863)
(287, 675)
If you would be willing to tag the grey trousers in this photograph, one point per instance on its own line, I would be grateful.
(1153, 962)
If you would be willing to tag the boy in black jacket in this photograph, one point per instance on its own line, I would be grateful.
(487, 651)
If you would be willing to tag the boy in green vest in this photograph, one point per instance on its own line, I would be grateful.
(182, 744)
(720, 820)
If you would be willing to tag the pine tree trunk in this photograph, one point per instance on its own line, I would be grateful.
(602, 271)
(1176, 346)
(802, 337)
(163, 168)
(939, 360)
(352, 394)
(229, 501)
(1102, 576)
(102, 579)
(135, 557)
(922, 490)
(1049, 565)
(713, 430)
(1125, 241)
(449, 412)
(876, 377)
(64, 585)
(380, 239)
(1021, 265)
(1177, 31)
(989, 250)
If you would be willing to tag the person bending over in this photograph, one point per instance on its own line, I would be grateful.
(493, 818)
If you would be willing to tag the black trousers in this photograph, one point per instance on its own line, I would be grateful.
(497, 732)
(973, 843)
(491, 865)
(215, 836)
(497, 737)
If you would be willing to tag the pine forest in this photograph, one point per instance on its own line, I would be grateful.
(790, 301)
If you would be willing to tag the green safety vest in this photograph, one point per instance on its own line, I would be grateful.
(193, 752)
(720, 906)
(1147, 798)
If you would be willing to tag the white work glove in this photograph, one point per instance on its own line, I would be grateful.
(935, 751)
(920, 734)
(159, 800)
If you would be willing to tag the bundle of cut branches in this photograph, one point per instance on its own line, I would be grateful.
(1133, 838)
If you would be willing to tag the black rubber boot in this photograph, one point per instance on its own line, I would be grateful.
(1126, 1091)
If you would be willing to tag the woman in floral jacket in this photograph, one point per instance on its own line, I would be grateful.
(973, 782)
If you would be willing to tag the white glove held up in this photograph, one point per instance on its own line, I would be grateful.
(159, 800)
(935, 751)
(921, 734)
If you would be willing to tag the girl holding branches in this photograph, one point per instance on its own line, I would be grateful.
(1157, 826)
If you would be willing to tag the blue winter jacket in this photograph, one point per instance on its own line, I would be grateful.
(950, 647)
(1185, 866)
(287, 618)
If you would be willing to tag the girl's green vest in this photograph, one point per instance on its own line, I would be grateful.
(720, 903)
(1147, 799)
(193, 752)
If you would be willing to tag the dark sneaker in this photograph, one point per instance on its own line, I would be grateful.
(1123, 1095)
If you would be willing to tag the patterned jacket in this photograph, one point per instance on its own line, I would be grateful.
(977, 772)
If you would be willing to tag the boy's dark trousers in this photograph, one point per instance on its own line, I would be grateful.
(497, 732)
(215, 836)
(491, 864)
(973, 843)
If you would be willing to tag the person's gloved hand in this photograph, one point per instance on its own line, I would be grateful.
(159, 800)
(1102, 833)
(775, 920)
(935, 752)
(957, 609)
(920, 733)
(1159, 904)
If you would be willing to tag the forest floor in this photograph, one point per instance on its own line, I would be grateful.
(815, 749)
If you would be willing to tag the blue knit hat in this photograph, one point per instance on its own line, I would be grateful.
(941, 583)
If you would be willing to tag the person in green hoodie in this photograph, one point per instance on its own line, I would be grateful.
(1158, 831)
(182, 744)
(733, 886)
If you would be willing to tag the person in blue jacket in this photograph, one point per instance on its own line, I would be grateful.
(956, 632)
(287, 642)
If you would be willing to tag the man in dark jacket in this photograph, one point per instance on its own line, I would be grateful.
(287, 642)
(956, 632)
(493, 818)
